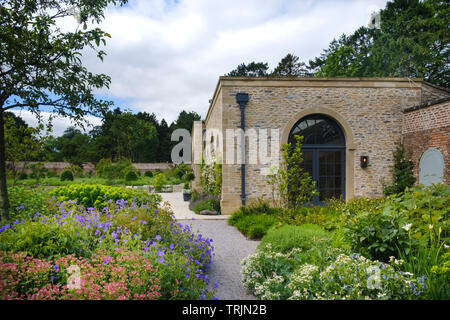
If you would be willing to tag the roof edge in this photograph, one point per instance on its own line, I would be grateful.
(426, 105)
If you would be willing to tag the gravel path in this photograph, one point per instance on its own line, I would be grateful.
(181, 210)
(230, 247)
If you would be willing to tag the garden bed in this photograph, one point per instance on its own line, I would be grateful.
(116, 249)
(392, 248)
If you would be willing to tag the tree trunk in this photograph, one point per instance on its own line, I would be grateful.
(4, 203)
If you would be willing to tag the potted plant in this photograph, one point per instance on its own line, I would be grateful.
(186, 191)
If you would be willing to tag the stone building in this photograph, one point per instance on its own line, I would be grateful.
(350, 127)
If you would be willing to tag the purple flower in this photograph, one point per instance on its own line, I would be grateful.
(21, 207)
(160, 253)
(158, 237)
(55, 267)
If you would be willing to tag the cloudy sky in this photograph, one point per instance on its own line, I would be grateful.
(166, 55)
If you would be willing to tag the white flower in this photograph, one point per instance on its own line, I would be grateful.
(407, 227)
(430, 226)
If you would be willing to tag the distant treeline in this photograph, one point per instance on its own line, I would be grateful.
(139, 137)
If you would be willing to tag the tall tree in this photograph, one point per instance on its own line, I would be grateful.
(290, 66)
(74, 146)
(165, 143)
(40, 65)
(413, 41)
(22, 143)
(253, 69)
(185, 120)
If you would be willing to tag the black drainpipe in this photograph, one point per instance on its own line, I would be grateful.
(242, 99)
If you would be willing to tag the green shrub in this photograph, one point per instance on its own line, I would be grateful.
(159, 181)
(148, 173)
(77, 171)
(131, 176)
(66, 175)
(189, 176)
(402, 172)
(25, 203)
(288, 237)
(254, 219)
(253, 225)
(203, 205)
(98, 195)
(47, 239)
(22, 176)
(52, 174)
(417, 217)
(108, 170)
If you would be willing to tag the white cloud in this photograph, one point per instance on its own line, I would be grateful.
(59, 124)
(166, 56)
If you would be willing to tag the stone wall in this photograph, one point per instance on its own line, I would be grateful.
(424, 127)
(369, 111)
(58, 167)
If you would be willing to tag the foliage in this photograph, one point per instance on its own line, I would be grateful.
(381, 229)
(328, 273)
(255, 219)
(108, 170)
(289, 66)
(148, 173)
(212, 204)
(412, 42)
(288, 237)
(47, 238)
(253, 69)
(99, 195)
(185, 120)
(22, 143)
(25, 202)
(159, 181)
(66, 175)
(211, 177)
(38, 171)
(295, 186)
(41, 64)
(122, 252)
(402, 172)
(147, 235)
(131, 176)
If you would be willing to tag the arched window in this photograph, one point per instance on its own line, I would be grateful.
(318, 129)
(324, 154)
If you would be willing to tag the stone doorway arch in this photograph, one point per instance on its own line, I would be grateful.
(350, 146)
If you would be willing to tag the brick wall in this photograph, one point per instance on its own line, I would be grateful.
(428, 127)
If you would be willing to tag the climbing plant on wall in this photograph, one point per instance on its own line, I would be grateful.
(211, 177)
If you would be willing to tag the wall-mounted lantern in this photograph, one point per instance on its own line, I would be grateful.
(364, 161)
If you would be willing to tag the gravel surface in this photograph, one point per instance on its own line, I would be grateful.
(181, 210)
(230, 247)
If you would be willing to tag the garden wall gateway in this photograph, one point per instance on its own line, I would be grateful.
(342, 119)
